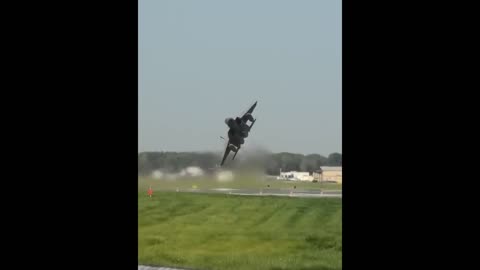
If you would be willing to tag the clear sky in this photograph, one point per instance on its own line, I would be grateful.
(203, 61)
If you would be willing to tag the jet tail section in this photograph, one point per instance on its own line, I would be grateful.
(253, 122)
(227, 150)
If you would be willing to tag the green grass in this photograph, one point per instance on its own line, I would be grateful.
(243, 181)
(217, 231)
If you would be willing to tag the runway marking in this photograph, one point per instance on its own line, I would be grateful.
(291, 195)
(223, 189)
(284, 193)
(144, 267)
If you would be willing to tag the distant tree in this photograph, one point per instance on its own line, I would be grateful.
(273, 167)
(144, 164)
(334, 159)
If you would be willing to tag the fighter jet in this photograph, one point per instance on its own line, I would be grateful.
(238, 131)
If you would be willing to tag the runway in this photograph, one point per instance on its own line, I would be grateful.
(144, 267)
(272, 192)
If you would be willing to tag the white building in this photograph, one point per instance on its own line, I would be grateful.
(333, 174)
(326, 173)
(295, 176)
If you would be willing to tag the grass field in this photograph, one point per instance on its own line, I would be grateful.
(243, 181)
(217, 231)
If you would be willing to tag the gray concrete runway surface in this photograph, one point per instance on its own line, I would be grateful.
(272, 192)
(144, 267)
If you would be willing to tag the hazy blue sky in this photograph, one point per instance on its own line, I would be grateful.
(203, 61)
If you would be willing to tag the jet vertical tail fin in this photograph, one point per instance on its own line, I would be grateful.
(225, 156)
(227, 150)
(253, 122)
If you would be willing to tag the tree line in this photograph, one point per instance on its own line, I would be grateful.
(270, 163)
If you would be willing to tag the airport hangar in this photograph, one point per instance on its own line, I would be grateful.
(324, 174)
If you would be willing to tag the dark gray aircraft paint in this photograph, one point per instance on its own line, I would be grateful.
(238, 131)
